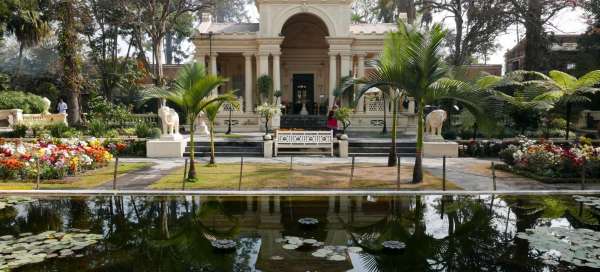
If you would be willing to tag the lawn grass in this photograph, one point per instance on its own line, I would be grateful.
(279, 176)
(86, 180)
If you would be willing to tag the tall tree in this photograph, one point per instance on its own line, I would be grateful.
(156, 18)
(412, 64)
(386, 11)
(191, 93)
(231, 11)
(69, 48)
(589, 43)
(534, 15)
(477, 23)
(29, 28)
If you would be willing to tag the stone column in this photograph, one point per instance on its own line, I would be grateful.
(345, 66)
(213, 70)
(411, 105)
(249, 106)
(263, 64)
(332, 77)
(361, 74)
(276, 72)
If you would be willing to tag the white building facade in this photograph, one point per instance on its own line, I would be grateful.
(306, 47)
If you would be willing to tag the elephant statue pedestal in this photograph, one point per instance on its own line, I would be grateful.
(434, 145)
(171, 144)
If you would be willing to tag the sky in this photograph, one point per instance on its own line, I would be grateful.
(568, 21)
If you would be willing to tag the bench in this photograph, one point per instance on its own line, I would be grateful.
(285, 139)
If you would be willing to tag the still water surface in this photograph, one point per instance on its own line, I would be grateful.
(439, 233)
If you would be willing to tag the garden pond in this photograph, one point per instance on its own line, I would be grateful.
(284, 233)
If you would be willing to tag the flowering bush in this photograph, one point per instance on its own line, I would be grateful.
(550, 160)
(19, 160)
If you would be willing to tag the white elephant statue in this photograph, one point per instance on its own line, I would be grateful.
(47, 103)
(201, 123)
(170, 120)
(434, 122)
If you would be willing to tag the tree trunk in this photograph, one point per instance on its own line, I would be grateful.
(212, 143)
(568, 117)
(384, 130)
(418, 168)
(458, 20)
(169, 48)
(69, 50)
(192, 171)
(158, 62)
(535, 46)
(392, 158)
(267, 126)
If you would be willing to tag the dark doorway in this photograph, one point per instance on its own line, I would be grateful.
(303, 88)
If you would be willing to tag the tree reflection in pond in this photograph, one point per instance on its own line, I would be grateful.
(449, 233)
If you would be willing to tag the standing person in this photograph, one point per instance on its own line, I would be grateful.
(62, 106)
(332, 122)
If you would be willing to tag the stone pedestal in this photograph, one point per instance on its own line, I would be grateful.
(166, 147)
(440, 149)
(343, 148)
(268, 148)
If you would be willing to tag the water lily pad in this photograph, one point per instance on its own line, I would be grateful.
(290, 246)
(336, 258)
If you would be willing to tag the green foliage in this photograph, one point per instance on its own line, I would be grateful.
(61, 130)
(267, 111)
(506, 155)
(143, 130)
(97, 128)
(19, 131)
(343, 115)
(191, 92)
(101, 109)
(4, 82)
(264, 85)
(28, 102)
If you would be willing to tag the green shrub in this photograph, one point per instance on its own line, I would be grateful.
(58, 130)
(38, 130)
(111, 133)
(19, 131)
(155, 133)
(143, 130)
(29, 103)
(103, 110)
(97, 128)
(506, 155)
(127, 131)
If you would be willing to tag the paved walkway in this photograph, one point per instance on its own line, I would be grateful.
(468, 173)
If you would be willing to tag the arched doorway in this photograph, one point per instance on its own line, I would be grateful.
(305, 65)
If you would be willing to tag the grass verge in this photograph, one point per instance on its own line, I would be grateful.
(86, 180)
(279, 176)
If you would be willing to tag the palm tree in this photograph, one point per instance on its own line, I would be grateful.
(211, 112)
(29, 28)
(564, 89)
(412, 65)
(191, 92)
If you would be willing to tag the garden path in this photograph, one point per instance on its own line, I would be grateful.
(140, 179)
(471, 174)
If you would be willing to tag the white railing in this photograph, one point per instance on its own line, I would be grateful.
(303, 140)
(229, 107)
(377, 105)
(374, 105)
(43, 119)
(16, 117)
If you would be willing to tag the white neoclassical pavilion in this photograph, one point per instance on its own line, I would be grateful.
(306, 46)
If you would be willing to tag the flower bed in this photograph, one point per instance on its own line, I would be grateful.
(553, 163)
(19, 160)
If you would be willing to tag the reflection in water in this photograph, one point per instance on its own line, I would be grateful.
(449, 233)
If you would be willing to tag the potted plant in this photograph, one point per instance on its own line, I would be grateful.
(343, 116)
(264, 85)
(267, 112)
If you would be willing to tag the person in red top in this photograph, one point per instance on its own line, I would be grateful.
(332, 122)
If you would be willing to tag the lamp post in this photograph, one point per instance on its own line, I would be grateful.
(229, 122)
